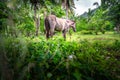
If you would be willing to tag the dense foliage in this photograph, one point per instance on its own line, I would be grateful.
(104, 18)
(36, 58)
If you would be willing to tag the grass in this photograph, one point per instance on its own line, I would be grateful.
(92, 55)
(81, 57)
(77, 36)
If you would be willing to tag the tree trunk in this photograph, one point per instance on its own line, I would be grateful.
(37, 21)
(118, 28)
(66, 4)
(45, 14)
(5, 71)
(66, 13)
(38, 24)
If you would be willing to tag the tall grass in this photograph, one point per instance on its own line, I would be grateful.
(56, 59)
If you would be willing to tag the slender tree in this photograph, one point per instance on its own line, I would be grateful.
(68, 5)
(112, 8)
(35, 4)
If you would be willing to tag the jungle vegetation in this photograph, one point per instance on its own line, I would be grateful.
(91, 53)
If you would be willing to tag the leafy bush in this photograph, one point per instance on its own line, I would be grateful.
(86, 32)
(36, 58)
(81, 24)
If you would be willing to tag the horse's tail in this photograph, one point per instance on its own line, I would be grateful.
(47, 27)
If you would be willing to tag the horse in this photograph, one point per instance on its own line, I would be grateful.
(53, 23)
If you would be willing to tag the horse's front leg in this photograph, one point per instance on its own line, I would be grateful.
(69, 33)
(64, 34)
(52, 29)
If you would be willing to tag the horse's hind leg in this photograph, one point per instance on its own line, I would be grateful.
(64, 34)
(47, 34)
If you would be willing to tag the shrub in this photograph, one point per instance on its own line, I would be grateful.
(86, 32)
(59, 59)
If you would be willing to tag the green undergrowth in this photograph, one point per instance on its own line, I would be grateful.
(56, 59)
(78, 36)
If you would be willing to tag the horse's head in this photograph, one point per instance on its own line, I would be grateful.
(72, 24)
